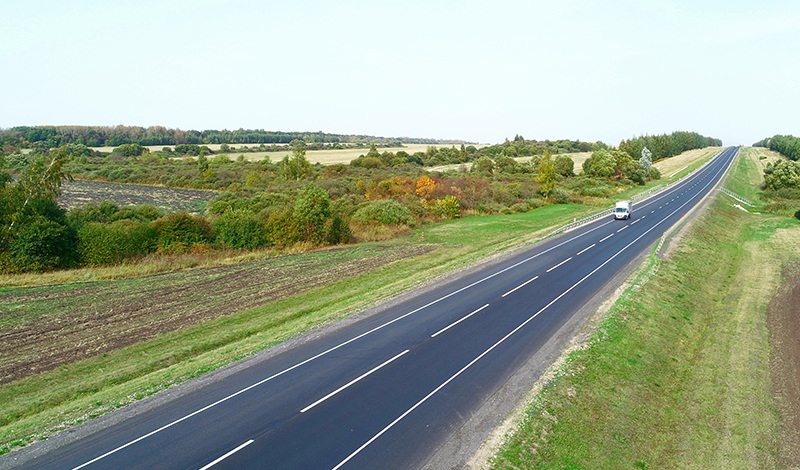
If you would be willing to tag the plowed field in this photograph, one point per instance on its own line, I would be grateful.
(42, 328)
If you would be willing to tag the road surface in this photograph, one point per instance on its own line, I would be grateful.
(388, 390)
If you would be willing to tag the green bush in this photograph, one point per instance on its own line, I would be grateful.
(449, 207)
(312, 210)
(559, 196)
(339, 231)
(181, 230)
(240, 229)
(596, 191)
(106, 244)
(385, 212)
(282, 228)
(40, 244)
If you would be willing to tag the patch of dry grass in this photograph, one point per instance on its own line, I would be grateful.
(669, 166)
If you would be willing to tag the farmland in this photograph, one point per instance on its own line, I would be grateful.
(44, 328)
(78, 193)
(325, 157)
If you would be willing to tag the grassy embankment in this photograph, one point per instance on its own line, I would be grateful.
(677, 375)
(36, 406)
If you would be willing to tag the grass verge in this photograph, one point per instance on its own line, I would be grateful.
(677, 375)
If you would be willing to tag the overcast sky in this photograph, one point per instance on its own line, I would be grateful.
(474, 70)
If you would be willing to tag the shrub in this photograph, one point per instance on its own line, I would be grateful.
(339, 231)
(104, 244)
(797, 215)
(311, 211)
(384, 212)
(39, 245)
(282, 228)
(559, 196)
(240, 229)
(179, 231)
(449, 207)
(597, 191)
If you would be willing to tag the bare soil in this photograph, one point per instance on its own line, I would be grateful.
(783, 318)
(42, 328)
(79, 193)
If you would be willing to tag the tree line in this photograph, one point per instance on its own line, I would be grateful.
(667, 145)
(786, 145)
(99, 136)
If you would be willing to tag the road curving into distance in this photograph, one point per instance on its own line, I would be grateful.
(388, 390)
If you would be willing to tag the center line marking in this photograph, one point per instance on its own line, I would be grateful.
(227, 455)
(349, 383)
(559, 264)
(471, 314)
(636, 220)
(601, 241)
(623, 228)
(586, 248)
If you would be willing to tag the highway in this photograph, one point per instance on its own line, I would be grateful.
(388, 390)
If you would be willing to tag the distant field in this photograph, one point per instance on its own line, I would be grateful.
(325, 157)
(79, 193)
(669, 166)
(578, 158)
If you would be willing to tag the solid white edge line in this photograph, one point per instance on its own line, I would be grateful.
(585, 249)
(601, 241)
(227, 455)
(350, 383)
(623, 228)
(462, 319)
(559, 264)
(363, 446)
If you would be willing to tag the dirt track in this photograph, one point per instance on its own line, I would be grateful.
(42, 328)
(783, 317)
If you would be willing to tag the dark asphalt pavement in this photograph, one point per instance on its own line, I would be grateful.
(387, 391)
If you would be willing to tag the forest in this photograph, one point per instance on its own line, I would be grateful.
(288, 202)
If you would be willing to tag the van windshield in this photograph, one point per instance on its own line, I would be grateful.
(621, 209)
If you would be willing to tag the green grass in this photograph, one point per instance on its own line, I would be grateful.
(745, 178)
(36, 406)
(677, 375)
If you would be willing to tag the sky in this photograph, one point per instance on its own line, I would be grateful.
(479, 71)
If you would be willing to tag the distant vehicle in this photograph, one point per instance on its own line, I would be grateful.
(623, 210)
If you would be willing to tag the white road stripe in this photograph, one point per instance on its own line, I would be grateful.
(559, 264)
(636, 220)
(471, 314)
(623, 228)
(227, 455)
(590, 246)
(601, 241)
(521, 285)
(397, 420)
(350, 383)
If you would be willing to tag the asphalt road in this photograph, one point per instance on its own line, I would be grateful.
(388, 390)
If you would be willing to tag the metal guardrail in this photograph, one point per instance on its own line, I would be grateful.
(650, 192)
(737, 197)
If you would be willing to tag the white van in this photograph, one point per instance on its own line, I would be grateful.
(623, 210)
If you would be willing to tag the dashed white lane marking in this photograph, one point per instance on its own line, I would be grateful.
(512, 290)
(471, 314)
(601, 241)
(559, 264)
(636, 220)
(351, 383)
(227, 455)
(590, 246)
(623, 228)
